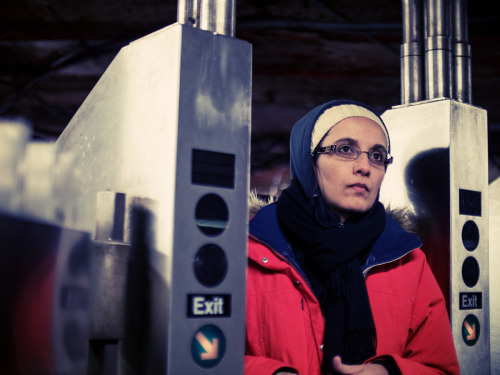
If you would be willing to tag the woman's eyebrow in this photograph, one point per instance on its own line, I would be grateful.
(352, 141)
(378, 146)
(347, 140)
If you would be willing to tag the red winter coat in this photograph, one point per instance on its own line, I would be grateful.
(285, 325)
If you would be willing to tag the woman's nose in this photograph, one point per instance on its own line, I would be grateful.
(362, 164)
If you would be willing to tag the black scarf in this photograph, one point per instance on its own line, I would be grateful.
(330, 255)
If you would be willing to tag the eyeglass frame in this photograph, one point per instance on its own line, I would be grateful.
(332, 148)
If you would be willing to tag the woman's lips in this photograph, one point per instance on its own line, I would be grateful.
(359, 187)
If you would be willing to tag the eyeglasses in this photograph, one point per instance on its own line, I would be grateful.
(378, 156)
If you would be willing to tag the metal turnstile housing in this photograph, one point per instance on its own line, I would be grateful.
(170, 121)
(440, 173)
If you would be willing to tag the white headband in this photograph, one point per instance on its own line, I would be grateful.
(334, 115)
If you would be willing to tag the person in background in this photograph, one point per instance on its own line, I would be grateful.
(335, 284)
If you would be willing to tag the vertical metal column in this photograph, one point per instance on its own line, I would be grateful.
(187, 12)
(438, 70)
(412, 54)
(462, 81)
(110, 343)
(217, 16)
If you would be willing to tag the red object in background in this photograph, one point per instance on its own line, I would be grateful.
(32, 322)
(28, 252)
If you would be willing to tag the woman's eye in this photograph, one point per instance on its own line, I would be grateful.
(345, 149)
(377, 155)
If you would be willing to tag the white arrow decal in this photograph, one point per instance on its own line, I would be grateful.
(470, 330)
(211, 348)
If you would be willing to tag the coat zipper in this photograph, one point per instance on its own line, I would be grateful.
(368, 269)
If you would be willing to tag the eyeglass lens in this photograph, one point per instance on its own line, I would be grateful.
(376, 156)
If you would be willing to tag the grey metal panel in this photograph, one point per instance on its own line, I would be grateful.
(439, 148)
(413, 132)
(468, 170)
(125, 132)
(165, 94)
(494, 198)
(214, 114)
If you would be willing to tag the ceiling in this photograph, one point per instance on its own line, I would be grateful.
(305, 52)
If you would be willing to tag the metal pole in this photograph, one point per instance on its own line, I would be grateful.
(412, 81)
(110, 343)
(226, 17)
(188, 12)
(217, 16)
(462, 89)
(438, 70)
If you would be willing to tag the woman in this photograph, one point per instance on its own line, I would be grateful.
(335, 285)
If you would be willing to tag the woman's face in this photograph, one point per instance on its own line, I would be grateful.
(351, 186)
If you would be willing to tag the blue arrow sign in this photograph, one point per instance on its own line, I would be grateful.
(208, 346)
(471, 330)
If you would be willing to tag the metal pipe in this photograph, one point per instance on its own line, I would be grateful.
(207, 21)
(438, 72)
(412, 81)
(462, 85)
(109, 260)
(226, 17)
(188, 12)
(217, 16)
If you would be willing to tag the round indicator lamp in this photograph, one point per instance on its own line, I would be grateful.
(210, 265)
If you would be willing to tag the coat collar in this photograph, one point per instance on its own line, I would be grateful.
(393, 243)
(265, 228)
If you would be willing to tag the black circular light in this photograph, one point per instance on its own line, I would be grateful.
(470, 235)
(210, 265)
(470, 271)
(212, 215)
